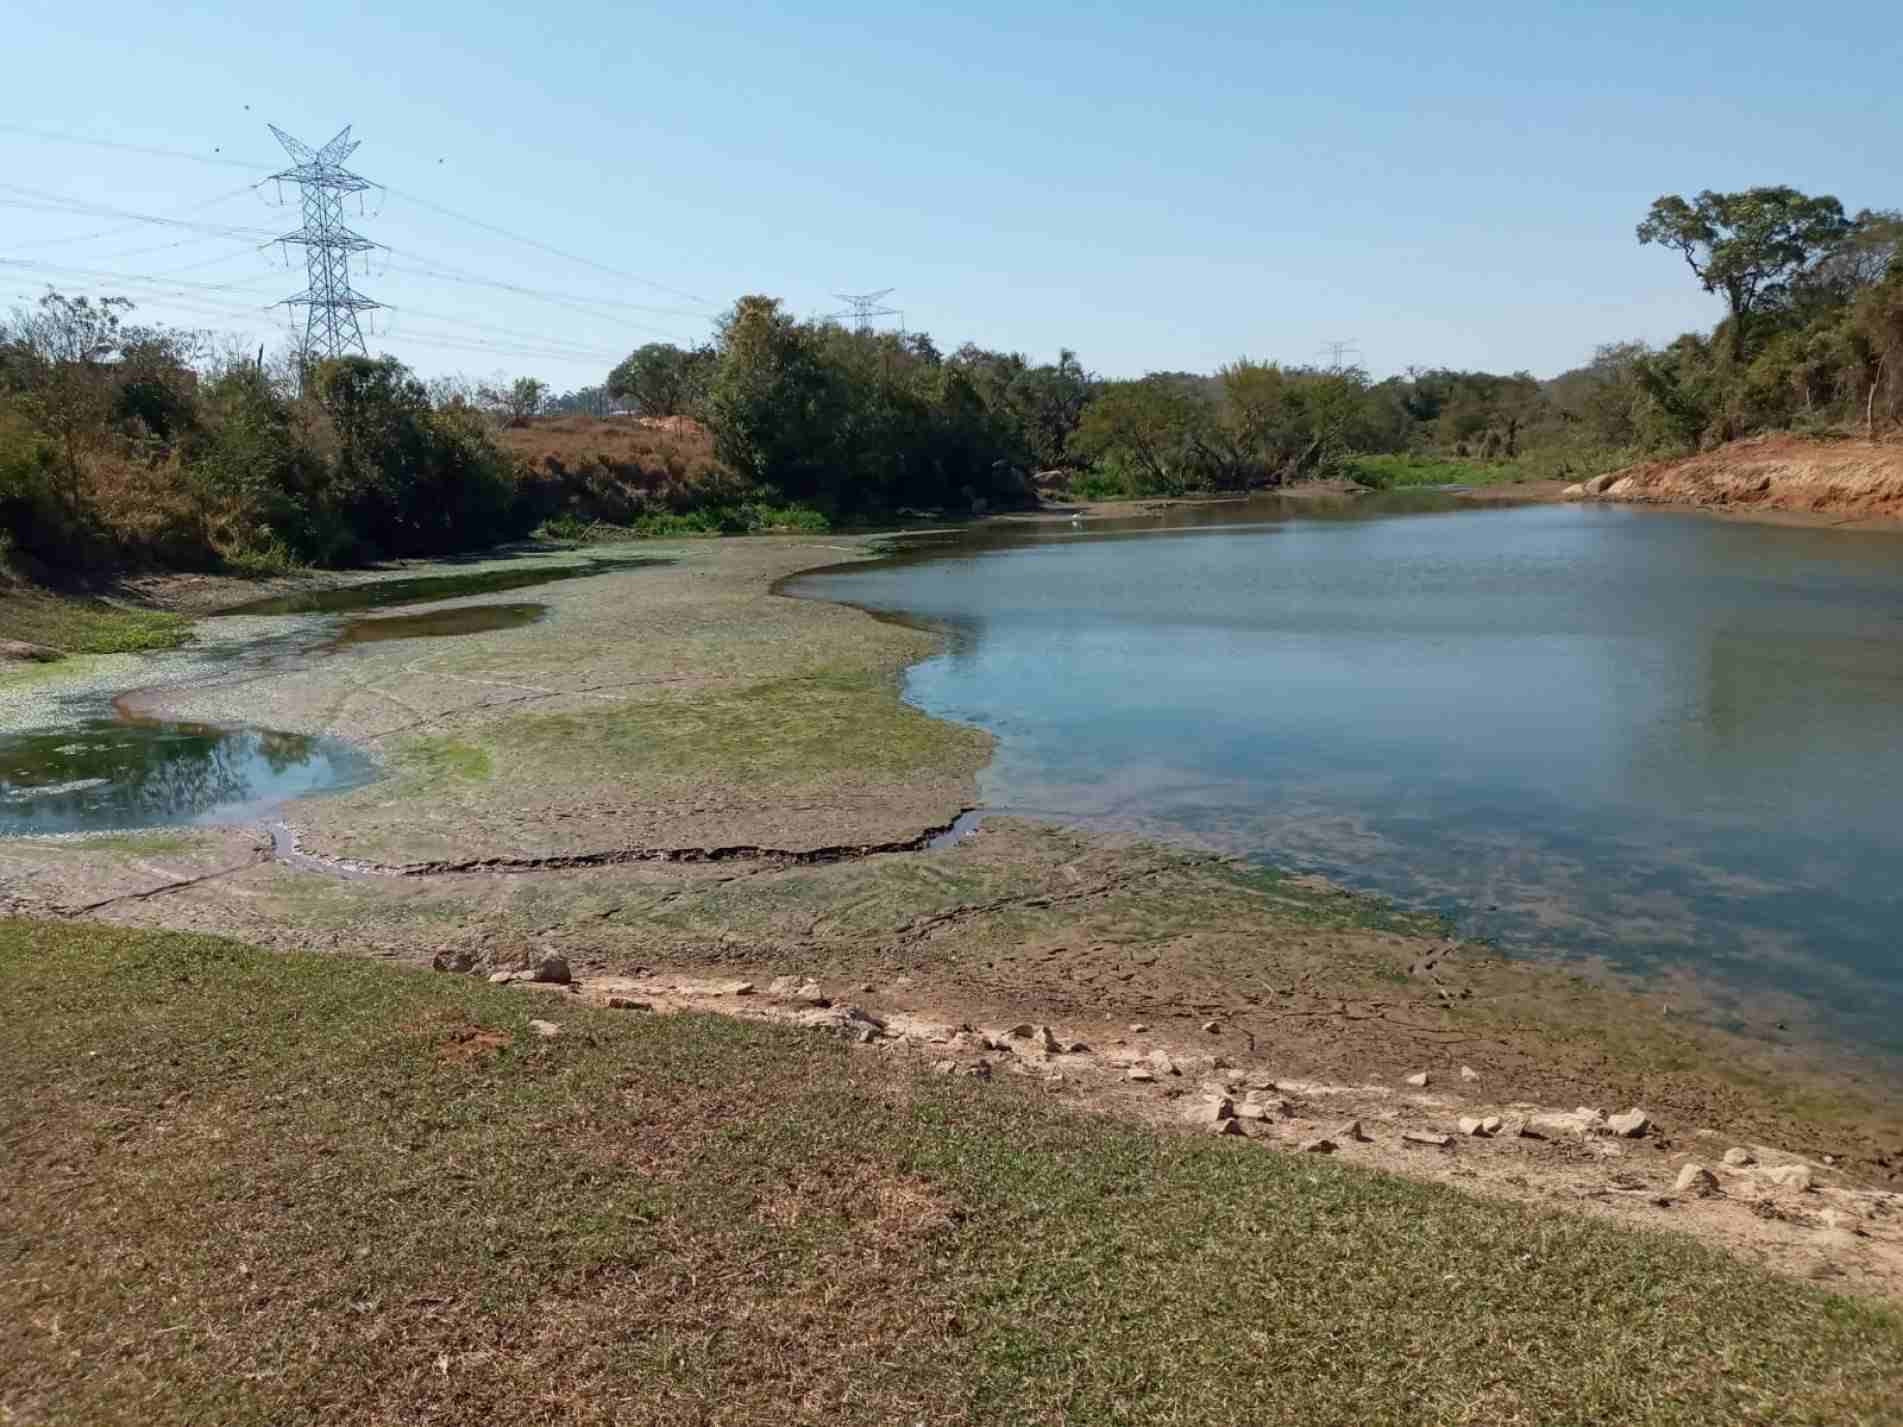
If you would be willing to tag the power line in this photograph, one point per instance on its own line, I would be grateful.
(862, 307)
(1336, 350)
(69, 238)
(56, 138)
(330, 305)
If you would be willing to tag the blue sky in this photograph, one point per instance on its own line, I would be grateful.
(1156, 187)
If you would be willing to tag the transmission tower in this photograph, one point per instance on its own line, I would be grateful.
(862, 307)
(331, 328)
(1335, 351)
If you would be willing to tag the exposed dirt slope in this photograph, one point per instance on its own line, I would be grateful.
(1847, 480)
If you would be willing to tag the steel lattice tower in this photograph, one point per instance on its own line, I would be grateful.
(331, 328)
(862, 307)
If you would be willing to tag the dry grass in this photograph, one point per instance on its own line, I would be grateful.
(244, 1187)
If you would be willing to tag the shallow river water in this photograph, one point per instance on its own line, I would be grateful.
(1668, 740)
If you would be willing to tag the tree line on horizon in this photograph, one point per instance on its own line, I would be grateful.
(122, 443)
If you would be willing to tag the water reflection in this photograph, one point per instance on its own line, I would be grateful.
(1658, 738)
(108, 773)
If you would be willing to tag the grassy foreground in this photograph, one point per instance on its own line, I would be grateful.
(246, 1187)
(80, 625)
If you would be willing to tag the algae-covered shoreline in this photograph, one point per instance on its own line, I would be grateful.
(680, 773)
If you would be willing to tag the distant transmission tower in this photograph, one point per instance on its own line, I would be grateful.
(331, 328)
(862, 307)
(1337, 350)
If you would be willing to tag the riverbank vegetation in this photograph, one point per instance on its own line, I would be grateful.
(125, 444)
(251, 1186)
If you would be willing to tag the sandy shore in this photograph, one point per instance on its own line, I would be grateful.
(682, 781)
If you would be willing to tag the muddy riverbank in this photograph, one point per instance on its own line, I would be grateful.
(677, 773)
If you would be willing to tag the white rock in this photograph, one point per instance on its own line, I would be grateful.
(1140, 1073)
(1418, 1079)
(1213, 1028)
(1696, 1179)
(1417, 1137)
(1739, 1158)
(944, 1067)
(1137, 1028)
(1490, 1124)
(1469, 1125)
(1788, 1176)
(545, 1028)
(1630, 1125)
(503, 978)
(1469, 1074)
(1220, 1108)
(1162, 1064)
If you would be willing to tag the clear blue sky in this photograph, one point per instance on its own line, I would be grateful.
(1155, 186)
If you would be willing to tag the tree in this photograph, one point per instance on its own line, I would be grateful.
(662, 379)
(1150, 427)
(517, 402)
(1749, 246)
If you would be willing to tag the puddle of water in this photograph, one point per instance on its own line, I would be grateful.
(381, 594)
(104, 774)
(439, 624)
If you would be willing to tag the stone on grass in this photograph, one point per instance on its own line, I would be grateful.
(1739, 1158)
(628, 1003)
(1468, 1073)
(503, 978)
(1696, 1179)
(979, 1070)
(1418, 1080)
(553, 970)
(545, 1029)
(944, 1067)
(1420, 1137)
(1321, 1144)
(456, 961)
(1630, 1125)
(1225, 1127)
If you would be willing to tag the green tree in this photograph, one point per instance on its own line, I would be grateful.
(1750, 246)
(662, 379)
(1154, 429)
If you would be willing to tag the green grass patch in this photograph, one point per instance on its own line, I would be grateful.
(441, 758)
(254, 1188)
(84, 625)
(777, 732)
(1399, 472)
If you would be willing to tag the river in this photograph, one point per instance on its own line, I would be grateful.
(1671, 742)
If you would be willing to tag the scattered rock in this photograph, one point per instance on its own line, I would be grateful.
(1351, 1132)
(628, 1003)
(1788, 1176)
(1630, 1125)
(1137, 1028)
(1418, 1080)
(1212, 1028)
(1469, 1074)
(1256, 1108)
(1022, 1031)
(979, 1070)
(1077, 1048)
(1491, 1124)
(1840, 1221)
(503, 978)
(1140, 1073)
(552, 970)
(456, 961)
(1470, 1125)
(797, 988)
(1225, 1127)
(1696, 1179)
(743, 988)
(1740, 1158)
(545, 1029)
(1220, 1107)
(24, 651)
(1162, 1064)
(1417, 1137)
(1047, 1042)
(1319, 1145)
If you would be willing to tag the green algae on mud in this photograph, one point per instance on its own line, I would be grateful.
(440, 623)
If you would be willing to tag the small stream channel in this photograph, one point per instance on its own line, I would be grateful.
(96, 764)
